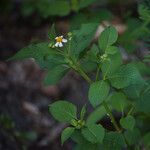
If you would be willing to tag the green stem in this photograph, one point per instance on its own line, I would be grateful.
(78, 69)
(85, 76)
(111, 117)
(130, 111)
(97, 72)
(128, 147)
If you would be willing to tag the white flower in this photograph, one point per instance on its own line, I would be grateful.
(59, 41)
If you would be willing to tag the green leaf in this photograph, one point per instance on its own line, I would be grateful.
(133, 136)
(82, 38)
(143, 67)
(111, 50)
(83, 112)
(63, 111)
(125, 76)
(85, 3)
(107, 37)
(36, 51)
(88, 66)
(127, 122)
(48, 8)
(113, 141)
(46, 57)
(54, 75)
(66, 134)
(82, 143)
(95, 16)
(129, 39)
(94, 133)
(52, 33)
(144, 12)
(110, 67)
(98, 92)
(134, 91)
(143, 102)
(92, 54)
(118, 101)
(146, 140)
(96, 115)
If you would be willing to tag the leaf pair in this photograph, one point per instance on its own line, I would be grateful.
(105, 42)
(64, 111)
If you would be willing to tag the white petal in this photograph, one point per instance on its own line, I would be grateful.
(61, 36)
(56, 38)
(64, 40)
(60, 44)
(57, 44)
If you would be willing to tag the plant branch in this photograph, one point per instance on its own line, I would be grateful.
(97, 72)
(114, 122)
(85, 76)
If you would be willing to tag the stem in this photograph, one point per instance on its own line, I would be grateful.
(130, 111)
(97, 73)
(81, 72)
(84, 75)
(111, 116)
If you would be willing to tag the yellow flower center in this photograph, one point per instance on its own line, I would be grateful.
(59, 39)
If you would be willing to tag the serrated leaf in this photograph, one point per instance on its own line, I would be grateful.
(82, 38)
(113, 141)
(107, 37)
(143, 102)
(127, 122)
(146, 140)
(111, 50)
(125, 76)
(94, 133)
(110, 67)
(96, 115)
(40, 52)
(36, 51)
(118, 101)
(98, 92)
(54, 75)
(66, 134)
(63, 111)
(134, 91)
(82, 143)
(142, 67)
(133, 136)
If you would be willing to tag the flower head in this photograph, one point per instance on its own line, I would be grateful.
(59, 41)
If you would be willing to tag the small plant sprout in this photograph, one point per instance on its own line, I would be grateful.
(59, 41)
